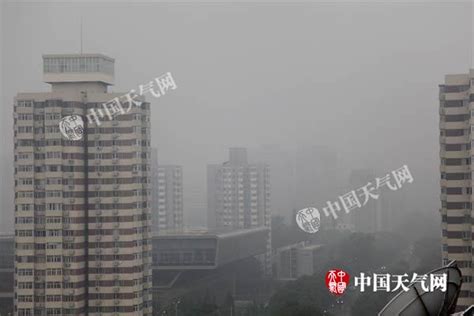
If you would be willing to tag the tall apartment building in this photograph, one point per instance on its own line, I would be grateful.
(456, 126)
(239, 196)
(82, 215)
(367, 219)
(169, 216)
(282, 182)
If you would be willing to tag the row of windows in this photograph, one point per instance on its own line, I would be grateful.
(455, 176)
(456, 118)
(456, 205)
(38, 117)
(455, 88)
(457, 147)
(31, 207)
(454, 132)
(456, 161)
(455, 191)
(454, 103)
(38, 233)
(25, 103)
(78, 64)
(38, 130)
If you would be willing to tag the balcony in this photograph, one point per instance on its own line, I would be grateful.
(455, 110)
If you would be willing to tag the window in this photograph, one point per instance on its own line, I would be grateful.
(53, 258)
(454, 190)
(455, 118)
(54, 233)
(453, 147)
(24, 103)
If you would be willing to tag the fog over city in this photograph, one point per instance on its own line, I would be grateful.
(259, 113)
(360, 79)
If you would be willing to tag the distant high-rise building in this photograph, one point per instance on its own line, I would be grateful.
(170, 199)
(239, 196)
(366, 219)
(456, 125)
(392, 210)
(82, 215)
(282, 182)
(316, 176)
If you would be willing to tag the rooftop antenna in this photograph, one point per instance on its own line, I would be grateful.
(81, 34)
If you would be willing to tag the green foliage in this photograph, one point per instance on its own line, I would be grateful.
(355, 253)
(306, 296)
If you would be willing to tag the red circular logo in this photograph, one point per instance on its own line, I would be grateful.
(337, 281)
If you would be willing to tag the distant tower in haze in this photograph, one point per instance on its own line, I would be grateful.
(316, 176)
(366, 219)
(239, 196)
(82, 216)
(170, 199)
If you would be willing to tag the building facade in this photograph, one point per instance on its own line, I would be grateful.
(296, 260)
(82, 210)
(456, 125)
(367, 219)
(169, 216)
(239, 197)
(154, 190)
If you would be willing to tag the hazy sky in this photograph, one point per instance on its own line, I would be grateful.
(360, 77)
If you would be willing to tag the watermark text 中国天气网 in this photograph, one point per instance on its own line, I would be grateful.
(72, 126)
(308, 219)
(337, 281)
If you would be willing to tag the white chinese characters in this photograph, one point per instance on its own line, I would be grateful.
(119, 105)
(351, 201)
(356, 198)
(393, 283)
(157, 87)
